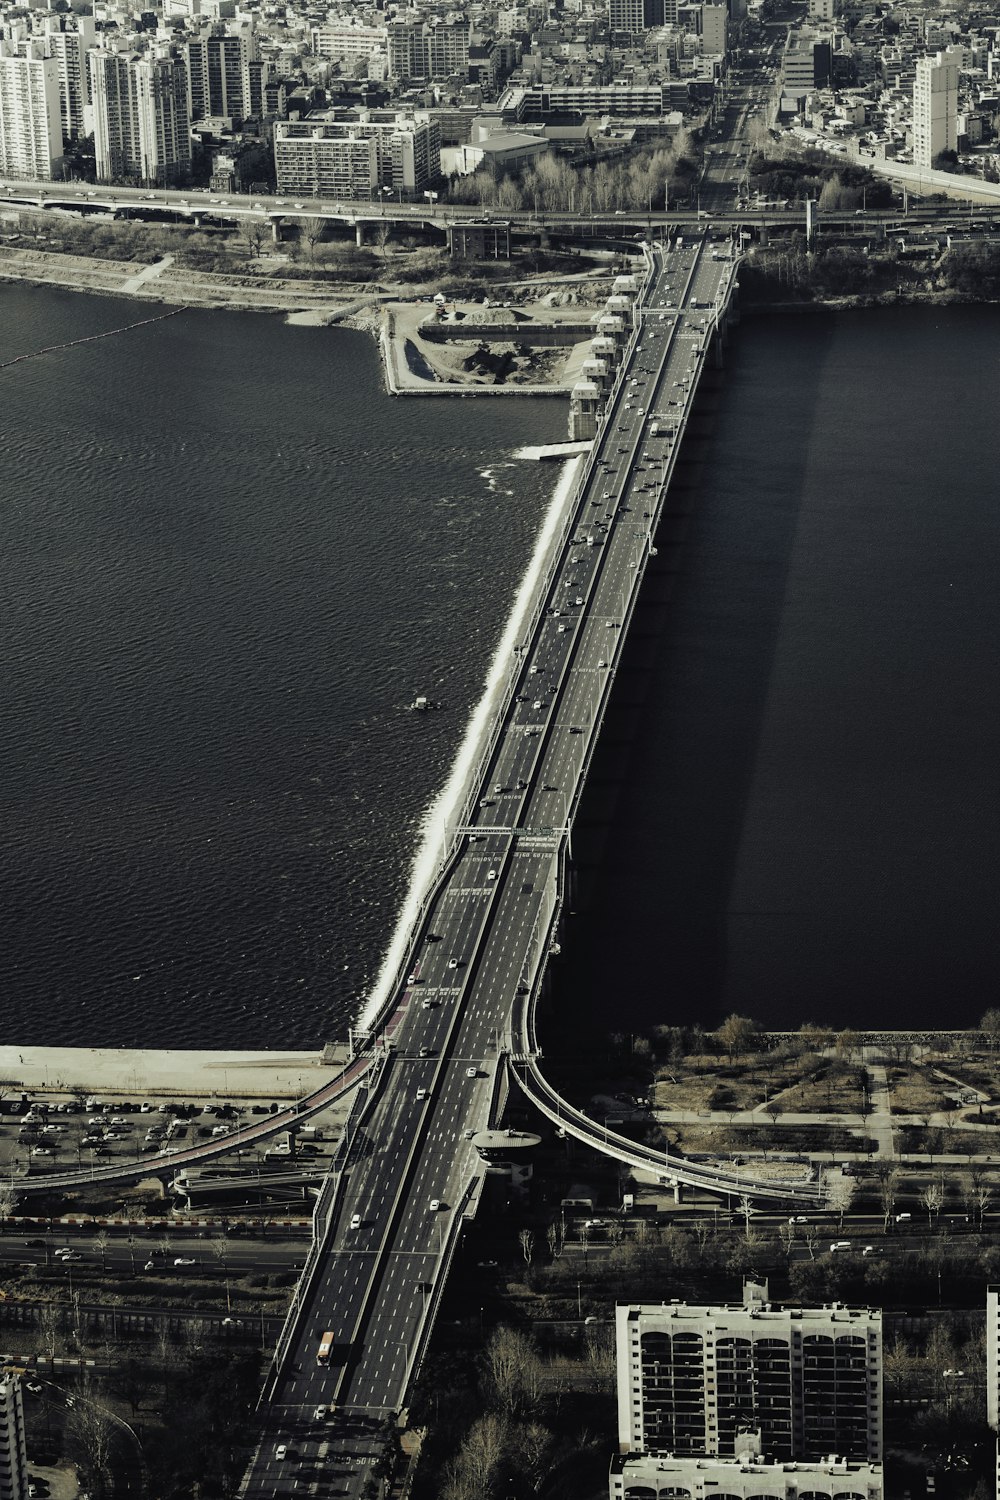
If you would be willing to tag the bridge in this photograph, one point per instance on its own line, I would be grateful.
(389, 1222)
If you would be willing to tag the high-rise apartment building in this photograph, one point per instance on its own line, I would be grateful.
(69, 48)
(31, 142)
(424, 50)
(221, 75)
(13, 1455)
(142, 129)
(353, 158)
(692, 1380)
(935, 106)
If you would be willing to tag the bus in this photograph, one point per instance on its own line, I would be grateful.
(325, 1349)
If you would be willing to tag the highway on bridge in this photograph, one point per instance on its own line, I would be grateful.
(412, 1171)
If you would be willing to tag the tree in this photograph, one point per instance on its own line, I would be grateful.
(887, 1194)
(932, 1198)
(989, 1028)
(8, 1203)
(737, 1035)
(93, 1433)
(476, 1468)
(554, 1240)
(527, 1242)
(512, 1371)
(251, 232)
(101, 1242)
(312, 232)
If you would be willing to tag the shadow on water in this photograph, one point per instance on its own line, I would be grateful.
(660, 827)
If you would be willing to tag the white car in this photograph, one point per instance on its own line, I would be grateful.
(355, 1221)
(472, 1072)
(435, 1205)
(183, 1260)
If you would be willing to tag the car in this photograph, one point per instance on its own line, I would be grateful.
(426, 1003)
(903, 1218)
(321, 1413)
(184, 1260)
(798, 1219)
(469, 1134)
(453, 963)
(63, 1250)
(355, 1221)
(422, 1092)
(149, 1266)
(472, 1072)
(413, 979)
(491, 874)
(435, 1205)
(34, 1387)
(72, 1255)
(42, 1151)
(578, 600)
(36, 1244)
(486, 1265)
(281, 1452)
(425, 1052)
(870, 1250)
(840, 1245)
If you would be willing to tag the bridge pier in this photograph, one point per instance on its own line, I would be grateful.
(359, 233)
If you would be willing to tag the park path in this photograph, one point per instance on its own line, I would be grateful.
(148, 273)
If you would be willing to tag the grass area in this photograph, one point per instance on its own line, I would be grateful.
(726, 1139)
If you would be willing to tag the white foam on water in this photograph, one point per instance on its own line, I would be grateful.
(427, 860)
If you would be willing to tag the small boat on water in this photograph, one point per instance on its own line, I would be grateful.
(422, 705)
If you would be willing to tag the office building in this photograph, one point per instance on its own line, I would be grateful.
(691, 1380)
(31, 142)
(142, 129)
(935, 106)
(631, 18)
(356, 157)
(13, 1455)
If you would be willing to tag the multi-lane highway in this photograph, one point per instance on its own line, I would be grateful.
(412, 1168)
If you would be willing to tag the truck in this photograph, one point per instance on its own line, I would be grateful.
(325, 1349)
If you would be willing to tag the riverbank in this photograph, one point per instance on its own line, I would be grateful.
(159, 1072)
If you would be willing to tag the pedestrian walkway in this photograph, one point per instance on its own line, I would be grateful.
(148, 273)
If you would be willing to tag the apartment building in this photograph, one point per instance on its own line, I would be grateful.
(142, 129)
(343, 43)
(13, 1455)
(691, 1380)
(31, 142)
(223, 75)
(69, 48)
(355, 157)
(420, 50)
(747, 1478)
(935, 106)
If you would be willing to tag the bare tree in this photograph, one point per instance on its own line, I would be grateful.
(92, 1430)
(527, 1242)
(49, 1319)
(840, 1192)
(932, 1198)
(102, 1241)
(312, 232)
(737, 1035)
(8, 1203)
(476, 1468)
(554, 1240)
(511, 1367)
(786, 1234)
(887, 1194)
(810, 1237)
(989, 1028)
(251, 232)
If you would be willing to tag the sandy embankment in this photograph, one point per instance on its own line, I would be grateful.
(314, 304)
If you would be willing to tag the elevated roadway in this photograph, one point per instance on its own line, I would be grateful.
(389, 1222)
